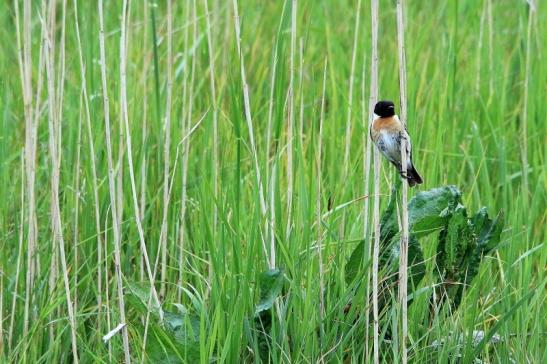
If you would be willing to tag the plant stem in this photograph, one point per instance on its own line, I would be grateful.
(376, 207)
(55, 135)
(112, 187)
(290, 121)
(166, 148)
(403, 249)
(318, 204)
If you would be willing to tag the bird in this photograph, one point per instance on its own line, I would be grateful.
(387, 133)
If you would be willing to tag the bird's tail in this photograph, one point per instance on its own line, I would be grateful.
(412, 176)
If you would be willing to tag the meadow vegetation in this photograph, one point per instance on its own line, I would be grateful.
(191, 181)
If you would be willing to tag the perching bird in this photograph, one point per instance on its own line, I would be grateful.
(387, 132)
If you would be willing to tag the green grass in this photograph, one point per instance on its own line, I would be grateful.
(465, 116)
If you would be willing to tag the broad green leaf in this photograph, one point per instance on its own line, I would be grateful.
(184, 327)
(355, 262)
(270, 284)
(455, 252)
(462, 246)
(415, 261)
(177, 337)
(388, 229)
(160, 348)
(490, 235)
(143, 301)
(486, 240)
(488, 231)
(462, 242)
(430, 210)
(389, 225)
(480, 221)
(456, 244)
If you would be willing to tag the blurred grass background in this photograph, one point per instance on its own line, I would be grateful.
(466, 72)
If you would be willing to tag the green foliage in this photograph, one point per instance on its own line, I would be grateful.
(430, 210)
(461, 245)
(270, 285)
(175, 339)
(503, 320)
(456, 242)
(467, 65)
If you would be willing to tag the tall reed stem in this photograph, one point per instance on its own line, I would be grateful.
(24, 58)
(270, 175)
(319, 158)
(128, 140)
(94, 180)
(55, 137)
(166, 148)
(19, 255)
(290, 121)
(403, 249)
(376, 207)
(367, 151)
(112, 185)
(186, 118)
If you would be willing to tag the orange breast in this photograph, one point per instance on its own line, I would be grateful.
(390, 124)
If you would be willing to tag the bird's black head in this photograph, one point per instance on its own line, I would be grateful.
(384, 108)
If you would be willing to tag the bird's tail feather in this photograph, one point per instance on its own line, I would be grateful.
(412, 176)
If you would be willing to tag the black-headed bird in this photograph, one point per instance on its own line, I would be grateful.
(387, 132)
